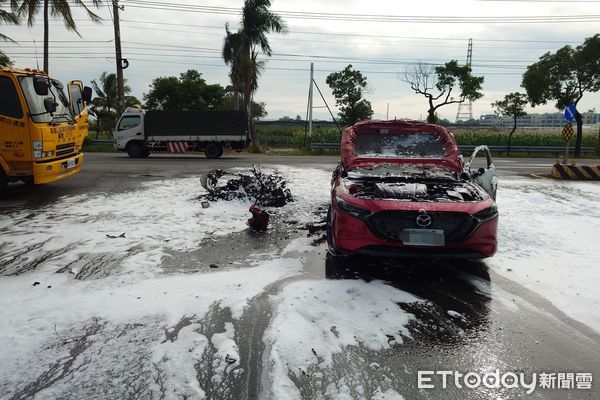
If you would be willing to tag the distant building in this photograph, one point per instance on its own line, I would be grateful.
(545, 120)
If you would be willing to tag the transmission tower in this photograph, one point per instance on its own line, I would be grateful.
(465, 110)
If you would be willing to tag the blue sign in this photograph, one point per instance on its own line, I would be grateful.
(570, 112)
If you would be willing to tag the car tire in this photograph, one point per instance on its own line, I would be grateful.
(339, 267)
(329, 233)
(213, 150)
(135, 149)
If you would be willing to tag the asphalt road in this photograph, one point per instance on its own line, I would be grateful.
(115, 171)
(537, 338)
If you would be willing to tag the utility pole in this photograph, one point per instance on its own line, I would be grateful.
(310, 101)
(387, 114)
(120, 91)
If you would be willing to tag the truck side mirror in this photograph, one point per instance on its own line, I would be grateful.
(87, 94)
(40, 85)
(49, 105)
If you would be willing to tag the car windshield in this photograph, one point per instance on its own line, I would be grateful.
(411, 145)
(36, 102)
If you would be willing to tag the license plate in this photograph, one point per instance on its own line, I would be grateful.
(71, 163)
(423, 237)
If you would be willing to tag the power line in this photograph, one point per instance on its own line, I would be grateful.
(346, 34)
(368, 17)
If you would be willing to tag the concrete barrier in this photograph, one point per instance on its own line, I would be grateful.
(576, 172)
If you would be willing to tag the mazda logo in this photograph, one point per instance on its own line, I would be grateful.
(423, 220)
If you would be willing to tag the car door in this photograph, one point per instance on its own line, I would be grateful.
(483, 174)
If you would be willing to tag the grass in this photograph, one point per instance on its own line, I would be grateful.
(289, 137)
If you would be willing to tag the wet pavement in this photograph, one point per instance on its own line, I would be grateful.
(468, 319)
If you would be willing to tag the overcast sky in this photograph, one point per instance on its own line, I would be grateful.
(166, 42)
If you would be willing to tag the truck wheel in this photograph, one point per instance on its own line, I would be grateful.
(135, 149)
(3, 184)
(213, 150)
(28, 180)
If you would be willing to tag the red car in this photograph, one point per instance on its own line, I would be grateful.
(403, 189)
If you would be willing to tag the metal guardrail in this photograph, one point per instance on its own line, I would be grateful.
(102, 142)
(495, 149)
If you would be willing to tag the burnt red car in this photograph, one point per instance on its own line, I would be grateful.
(402, 188)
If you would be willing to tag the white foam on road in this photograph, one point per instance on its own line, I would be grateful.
(548, 242)
(548, 237)
(316, 319)
(136, 299)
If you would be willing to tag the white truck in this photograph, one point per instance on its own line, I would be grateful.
(140, 132)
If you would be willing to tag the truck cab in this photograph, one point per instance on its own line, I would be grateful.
(41, 128)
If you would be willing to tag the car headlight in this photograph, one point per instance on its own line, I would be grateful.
(487, 213)
(38, 145)
(355, 211)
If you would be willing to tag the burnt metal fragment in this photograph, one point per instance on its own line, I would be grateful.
(266, 190)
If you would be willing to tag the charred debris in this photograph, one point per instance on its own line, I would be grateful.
(264, 189)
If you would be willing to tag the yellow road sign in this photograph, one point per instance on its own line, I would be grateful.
(567, 131)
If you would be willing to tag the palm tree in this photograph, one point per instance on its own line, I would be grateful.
(60, 8)
(7, 17)
(107, 98)
(241, 50)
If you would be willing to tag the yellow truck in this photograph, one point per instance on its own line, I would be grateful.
(41, 128)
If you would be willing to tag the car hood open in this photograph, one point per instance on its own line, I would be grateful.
(451, 160)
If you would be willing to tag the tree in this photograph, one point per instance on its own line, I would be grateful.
(188, 92)
(4, 60)
(104, 104)
(241, 50)
(7, 17)
(513, 105)
(259, 110)
(438, 83)
(58, 8)
(348, 86)
(107, 91)
(231, 103)
(564, 76)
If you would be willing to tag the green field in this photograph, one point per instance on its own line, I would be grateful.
(289, 137)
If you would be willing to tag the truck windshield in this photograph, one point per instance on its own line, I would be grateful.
(36, 102)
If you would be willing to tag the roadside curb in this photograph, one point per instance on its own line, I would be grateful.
(576, 172)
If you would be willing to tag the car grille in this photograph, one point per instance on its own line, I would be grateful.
(389, 224)
(65, 149)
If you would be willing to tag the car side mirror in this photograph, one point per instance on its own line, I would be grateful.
(40, 85)
(87, 94)
(49, 105)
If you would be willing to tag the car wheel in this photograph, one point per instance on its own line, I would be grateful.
(329, 233)
(213, 150)
(135, 149)
(339, 267)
